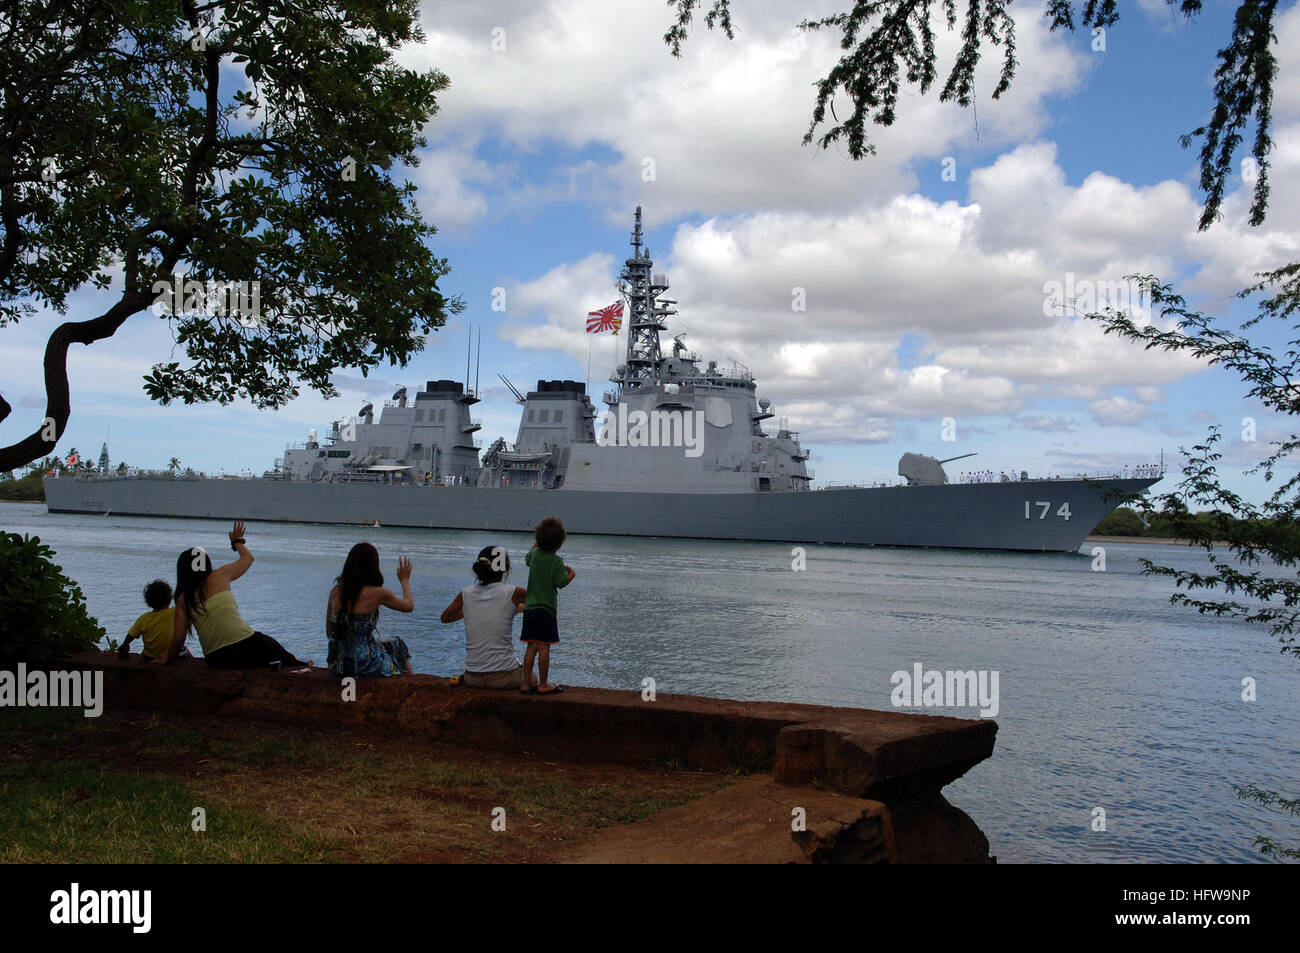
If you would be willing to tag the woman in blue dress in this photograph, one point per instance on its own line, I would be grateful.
(352, 616)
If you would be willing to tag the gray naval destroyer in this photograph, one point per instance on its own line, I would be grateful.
(681, 451)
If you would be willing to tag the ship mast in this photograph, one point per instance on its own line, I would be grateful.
(646, 314)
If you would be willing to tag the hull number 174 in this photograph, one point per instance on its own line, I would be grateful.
(1044, 507)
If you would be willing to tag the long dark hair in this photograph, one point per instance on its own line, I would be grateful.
(492, 565)
(193, 567)
(360, 569)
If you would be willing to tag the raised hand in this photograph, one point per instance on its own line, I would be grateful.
(238, 531)
(403, 569)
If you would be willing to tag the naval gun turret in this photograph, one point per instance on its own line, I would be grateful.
(920, 470)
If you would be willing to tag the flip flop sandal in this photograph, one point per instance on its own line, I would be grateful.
(554, 691)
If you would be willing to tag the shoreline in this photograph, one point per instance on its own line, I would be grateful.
(1158, 540)
(590, 776)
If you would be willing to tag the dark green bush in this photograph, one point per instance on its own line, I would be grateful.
(43, 614)
(1122, 522)
(28, 488)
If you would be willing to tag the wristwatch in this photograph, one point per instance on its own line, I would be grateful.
(234, 543)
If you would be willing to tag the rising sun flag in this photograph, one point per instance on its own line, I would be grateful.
(606, 319)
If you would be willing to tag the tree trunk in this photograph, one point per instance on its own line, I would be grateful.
(58, 405)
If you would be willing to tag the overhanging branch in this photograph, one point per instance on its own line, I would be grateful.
(58, 405)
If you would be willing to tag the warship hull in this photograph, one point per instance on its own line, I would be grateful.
(1025, 515)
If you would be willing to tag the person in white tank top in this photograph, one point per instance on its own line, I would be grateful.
(489, 608)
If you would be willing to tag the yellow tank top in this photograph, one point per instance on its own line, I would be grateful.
(219, 623)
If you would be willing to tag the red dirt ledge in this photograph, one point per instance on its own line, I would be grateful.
(900, 761)
(899, 758)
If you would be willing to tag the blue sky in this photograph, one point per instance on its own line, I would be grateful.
(924, 297)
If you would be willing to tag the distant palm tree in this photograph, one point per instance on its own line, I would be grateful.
(174, 464)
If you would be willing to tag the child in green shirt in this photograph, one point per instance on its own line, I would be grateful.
(547, 573)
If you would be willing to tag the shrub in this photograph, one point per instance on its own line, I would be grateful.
(26, 489)
(1122, 522)
(43, 614)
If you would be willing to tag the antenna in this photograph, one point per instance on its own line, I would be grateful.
(468, 347)
(513, 389)
(643, 365)
(478, 361)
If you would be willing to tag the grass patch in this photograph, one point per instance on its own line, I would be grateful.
(121, 789)
(75, 811)
(50, 725)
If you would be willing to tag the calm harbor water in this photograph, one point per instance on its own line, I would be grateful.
(1108, 696)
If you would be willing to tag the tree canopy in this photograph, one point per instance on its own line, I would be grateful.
(886, 43)
(252, 149)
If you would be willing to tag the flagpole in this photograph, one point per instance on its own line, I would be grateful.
(608, 319)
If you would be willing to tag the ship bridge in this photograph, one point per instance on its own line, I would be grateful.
(674, 422)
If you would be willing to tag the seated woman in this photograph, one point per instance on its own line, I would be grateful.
(352, 613)
(204, 600)
(488, 608)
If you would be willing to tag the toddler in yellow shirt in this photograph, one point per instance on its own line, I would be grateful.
(154, 628)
